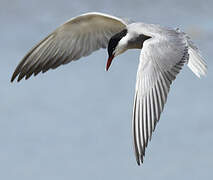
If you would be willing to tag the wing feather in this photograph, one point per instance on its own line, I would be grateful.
(161, 60)
(78, 37)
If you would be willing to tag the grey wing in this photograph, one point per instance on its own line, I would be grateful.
(78, 37)
(161, 60)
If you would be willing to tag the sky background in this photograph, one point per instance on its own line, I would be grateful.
(75, 122)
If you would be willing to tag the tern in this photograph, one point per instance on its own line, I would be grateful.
(164, 51)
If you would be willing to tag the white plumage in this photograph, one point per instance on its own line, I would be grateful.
(164, 52)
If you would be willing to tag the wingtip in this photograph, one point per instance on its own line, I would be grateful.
(139, 160)
(15, 74)
(12, 78)
(20, 77)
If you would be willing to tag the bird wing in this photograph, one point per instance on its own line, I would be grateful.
(78, 37)
(161, 60)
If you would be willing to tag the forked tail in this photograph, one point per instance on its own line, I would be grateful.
(196, 63)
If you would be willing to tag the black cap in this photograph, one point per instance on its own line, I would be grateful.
(113, 42)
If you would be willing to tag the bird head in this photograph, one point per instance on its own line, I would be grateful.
(116, 46)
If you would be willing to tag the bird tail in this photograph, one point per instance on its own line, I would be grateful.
(196, 63)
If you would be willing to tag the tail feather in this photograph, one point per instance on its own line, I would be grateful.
(196, 63)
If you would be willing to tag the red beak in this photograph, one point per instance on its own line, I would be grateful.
(109, 62)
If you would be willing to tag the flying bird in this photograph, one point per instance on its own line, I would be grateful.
(164, 51)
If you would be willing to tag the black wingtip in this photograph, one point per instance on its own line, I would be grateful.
(139, 159)
(12, 78)
(138, 162)
(20, 78)
(16, 72)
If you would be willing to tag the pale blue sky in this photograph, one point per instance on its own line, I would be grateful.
(75, 122)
